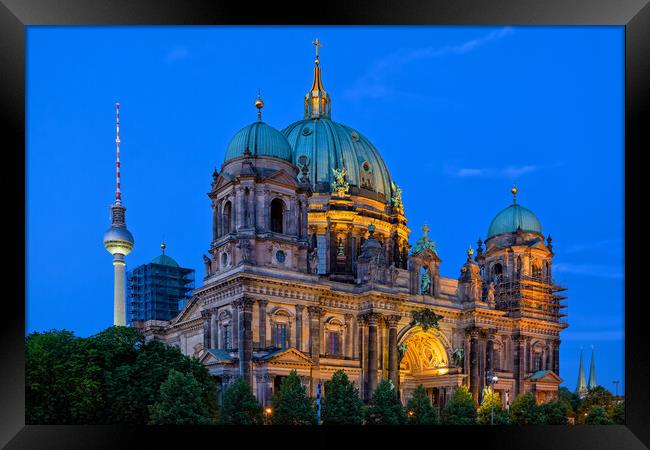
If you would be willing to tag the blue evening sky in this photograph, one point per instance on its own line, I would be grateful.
(458, 113)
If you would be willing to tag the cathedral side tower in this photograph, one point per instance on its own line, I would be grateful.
(117, 239)
(259, 204)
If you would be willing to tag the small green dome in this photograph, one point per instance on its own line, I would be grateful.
(165, 261)
(261, 140)
(324, 145)
(512, 218)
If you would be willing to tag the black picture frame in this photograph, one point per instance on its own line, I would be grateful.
(15, 15)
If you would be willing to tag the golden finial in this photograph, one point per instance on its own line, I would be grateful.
(163, 247)
(514, 191)
(259, 104)
(425, 229)
(317, 44)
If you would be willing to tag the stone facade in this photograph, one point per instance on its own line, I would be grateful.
(326, 281)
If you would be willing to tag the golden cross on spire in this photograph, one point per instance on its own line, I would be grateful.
(317, 44)
(425, 229)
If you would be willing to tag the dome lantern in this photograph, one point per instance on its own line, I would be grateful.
(317, 100)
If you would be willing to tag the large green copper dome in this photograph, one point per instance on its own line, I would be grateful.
(261, 140)
(165, 260)
(325, 145)
(512, 218)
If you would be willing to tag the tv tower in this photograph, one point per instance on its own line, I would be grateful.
(117, 239)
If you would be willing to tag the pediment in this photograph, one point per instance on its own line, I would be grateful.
(282, 177)
(222, 181)
(546, 376)
(215, 356)
(290, 356)
(191, 309)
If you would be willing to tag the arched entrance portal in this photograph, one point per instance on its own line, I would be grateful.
(425, 361)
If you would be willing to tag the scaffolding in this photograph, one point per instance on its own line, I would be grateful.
(534, 297)
(157, 291)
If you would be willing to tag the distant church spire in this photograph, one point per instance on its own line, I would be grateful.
(581, 388)
(592, 371)
(317, 100)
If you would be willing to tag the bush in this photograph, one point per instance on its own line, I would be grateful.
(240, 407)
(180, 402)
(597, 416)
(291, 406)
(385, 408)
(460, 409)
(524, 411)
(484, 413)
(618, 413)
(341, 404)
(420, 410)
(598, 396)
(555, 412)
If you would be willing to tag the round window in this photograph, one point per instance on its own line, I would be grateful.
(280, 256)
(355, 135)
(306, 131)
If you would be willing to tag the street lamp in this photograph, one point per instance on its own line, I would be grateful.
(493, 380)
(267, 413)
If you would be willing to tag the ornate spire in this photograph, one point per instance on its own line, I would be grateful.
(514, 191)
(317, 101)
(592, 371)
(259, 104)
(581, 388)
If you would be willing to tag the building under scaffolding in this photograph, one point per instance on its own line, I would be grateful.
(531, 296)
(158, 290)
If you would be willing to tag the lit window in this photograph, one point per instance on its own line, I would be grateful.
(280, 335)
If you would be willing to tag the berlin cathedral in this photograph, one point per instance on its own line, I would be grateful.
(310, 268)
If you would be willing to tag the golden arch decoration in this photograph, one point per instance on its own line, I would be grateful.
(425, 354)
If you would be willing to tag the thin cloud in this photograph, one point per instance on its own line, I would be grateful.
(590, 270)
(492, 172)
(176, 54)
(373, 83)
(614, 244)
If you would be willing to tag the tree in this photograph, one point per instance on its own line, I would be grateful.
(59, 387)
(572, 398)
(426, 318)
(291, 406)
(420, 411)
(385, 408)
(111, 377)
(524, 411)
(460, 409)
(555, 412)
(180, 402)
(341, 404)
(597, 416)
(618, 413)
(240, 407)
(484, 413)
(598, 396)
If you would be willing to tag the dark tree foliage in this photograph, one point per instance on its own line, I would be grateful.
(598, 396)
(111, 377)
(291, 405)
(240, 407)
(525, 411)
(618, 413)
(385, 408)
(341, 404)
(597, 415)
(180, 402)
(59, 386)
(460, 409)
(419, 408)
(555, 412)
(572, 398)
(484, 413)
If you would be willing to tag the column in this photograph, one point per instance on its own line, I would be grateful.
(556, 358)
(234, 332)
(393, 370)
(206, 316)
(214, 329)
(373, 320)
(239, 208)
(262, 321)
(314, 344)
(490, 353)
(520, 363)
(363, 354)
(349, 333)
(528, 367)
(245, 332)
(299, 310)
(473, 363)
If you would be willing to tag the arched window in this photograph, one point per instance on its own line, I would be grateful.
(227, 218)
(519, 266)
(277, 215)
(497, 270)
(537, 270)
